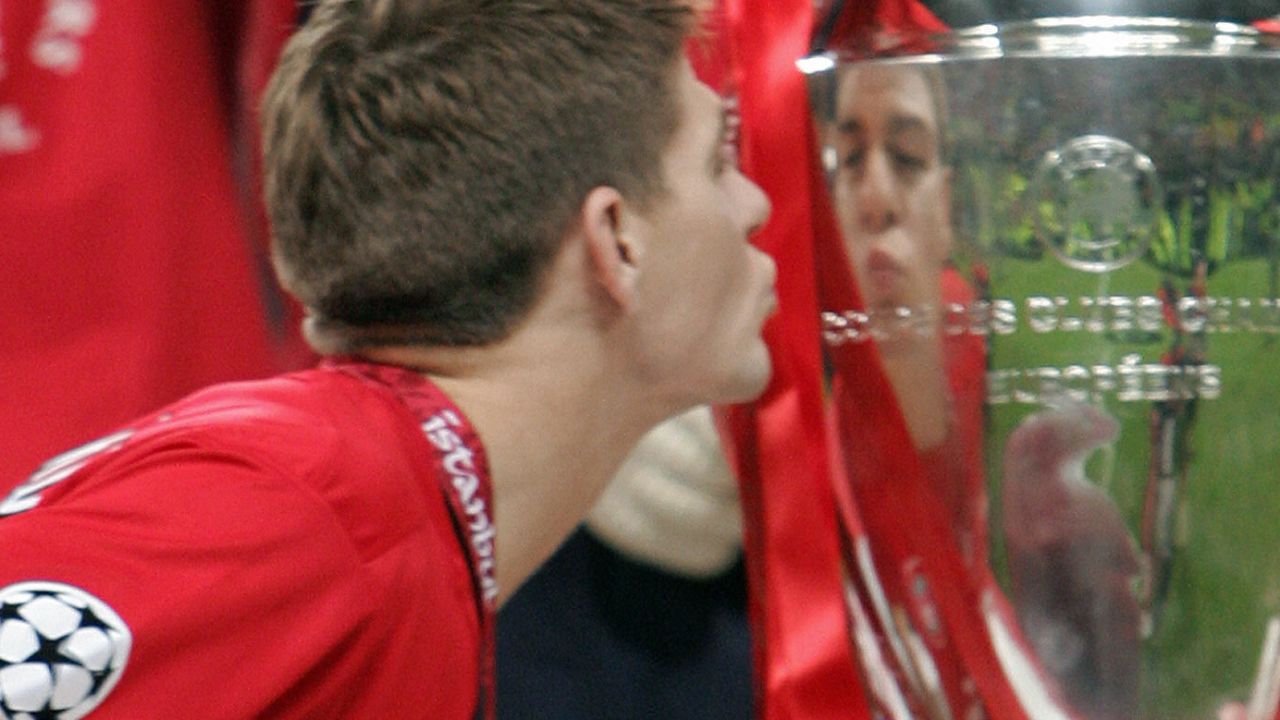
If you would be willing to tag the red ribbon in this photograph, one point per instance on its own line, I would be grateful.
(803, 661)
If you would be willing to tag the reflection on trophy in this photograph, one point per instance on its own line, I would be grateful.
(1057, 263)
(1071, 559)
(890, 187)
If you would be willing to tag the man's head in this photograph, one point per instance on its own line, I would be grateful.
(424, 157)
(891, 186)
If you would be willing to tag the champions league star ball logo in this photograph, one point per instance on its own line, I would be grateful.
(61, 651)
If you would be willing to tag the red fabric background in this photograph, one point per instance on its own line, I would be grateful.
(130, 270)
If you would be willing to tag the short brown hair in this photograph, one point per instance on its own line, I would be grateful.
(424, 157)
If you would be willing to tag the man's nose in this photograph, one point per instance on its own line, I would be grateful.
(877, 194)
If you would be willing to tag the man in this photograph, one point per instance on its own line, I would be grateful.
(890, 190)
(892, 200)
(516, 271)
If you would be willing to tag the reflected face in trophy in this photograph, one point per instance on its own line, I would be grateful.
(891, 188)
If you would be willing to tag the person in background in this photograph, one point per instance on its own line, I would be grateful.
(132, 252)
(513, 275)
(642, 612)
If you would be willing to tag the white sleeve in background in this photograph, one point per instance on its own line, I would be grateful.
(674, 502)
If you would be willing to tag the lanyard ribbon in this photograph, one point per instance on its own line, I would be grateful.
(464, 480)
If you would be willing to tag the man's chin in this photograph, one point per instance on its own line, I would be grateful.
(752, 379)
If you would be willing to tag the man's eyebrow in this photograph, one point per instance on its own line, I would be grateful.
(849, 126)
(905, 123)
(899, 123)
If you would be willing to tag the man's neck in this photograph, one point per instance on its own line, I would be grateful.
(556, 422)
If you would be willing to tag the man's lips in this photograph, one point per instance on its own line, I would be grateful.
(883, 271)
(881, 261)
(769, 301)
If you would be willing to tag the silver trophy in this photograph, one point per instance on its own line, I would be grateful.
(1058, 243)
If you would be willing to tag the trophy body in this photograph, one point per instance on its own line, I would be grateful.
(1054, 251)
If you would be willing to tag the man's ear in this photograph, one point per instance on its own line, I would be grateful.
(612, 249)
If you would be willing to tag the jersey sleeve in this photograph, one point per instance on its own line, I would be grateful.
(198, 584)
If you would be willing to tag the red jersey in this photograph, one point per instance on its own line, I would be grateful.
(276, 549)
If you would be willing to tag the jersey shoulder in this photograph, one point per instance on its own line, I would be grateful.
(297, 521)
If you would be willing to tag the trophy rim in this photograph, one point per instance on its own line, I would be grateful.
(1089, 36)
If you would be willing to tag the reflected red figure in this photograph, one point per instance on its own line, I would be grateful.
(1072, 561)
